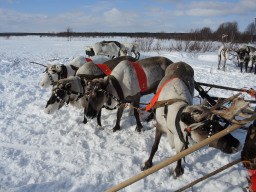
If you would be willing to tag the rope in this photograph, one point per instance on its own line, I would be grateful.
(138, 109)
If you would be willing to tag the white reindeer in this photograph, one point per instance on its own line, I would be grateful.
(132, 48)
(252, 61)
(223, 56)
(53, 73)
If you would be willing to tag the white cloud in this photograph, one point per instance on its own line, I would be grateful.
(220, 8)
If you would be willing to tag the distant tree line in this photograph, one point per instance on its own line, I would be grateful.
(205, 34)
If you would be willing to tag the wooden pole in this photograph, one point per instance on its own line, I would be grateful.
(174, 158)
(220, 87)
(209, 175)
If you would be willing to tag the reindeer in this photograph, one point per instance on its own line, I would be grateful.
(243, 55)
(123, 86)
(53, 73)
(72, 90)
(184, 122)
(252, 61)
(223, 55)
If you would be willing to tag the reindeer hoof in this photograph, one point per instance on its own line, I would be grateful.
(117, 128)
(146, 165)
(139, 129)
(100, 127)
(85, 121)
(178, 172)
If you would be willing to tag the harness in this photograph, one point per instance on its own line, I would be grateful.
(105, 69)
(119, 91)
(155, 98)
(142, 78)
(61, 75)
(88, 59)
(69, 93)
(164, 103)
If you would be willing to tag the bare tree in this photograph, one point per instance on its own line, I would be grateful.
(206, 33)
(250, 30)
(228, 28)
(69, 33)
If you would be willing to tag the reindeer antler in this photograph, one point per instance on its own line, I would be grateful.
(37, 63)
(238, 108)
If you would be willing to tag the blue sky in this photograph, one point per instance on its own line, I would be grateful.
(123, 15)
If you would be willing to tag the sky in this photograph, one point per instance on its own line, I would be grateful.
(123, 15)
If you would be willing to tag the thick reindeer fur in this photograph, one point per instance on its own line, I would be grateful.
(125, 74)
(91, 69)
(109, 49)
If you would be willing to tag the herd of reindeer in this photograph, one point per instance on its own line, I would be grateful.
(112, 80)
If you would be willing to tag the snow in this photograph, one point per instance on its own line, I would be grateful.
(40, 152)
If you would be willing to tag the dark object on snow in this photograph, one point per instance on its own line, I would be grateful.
(248, 154)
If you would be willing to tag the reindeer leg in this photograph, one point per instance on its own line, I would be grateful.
(118, 118)
(219, 61)
(85, 120)
(246, 66)
(224, 65)
(138, 55)
(179, 146)
(149, 163)
(241, 67)
(151, 116)
(179, 170)
(99, 120)
(139, 126)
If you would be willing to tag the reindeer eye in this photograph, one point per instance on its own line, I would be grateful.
(54, 71)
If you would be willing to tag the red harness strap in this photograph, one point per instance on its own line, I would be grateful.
(142, 78)
(104, 68)
(155, 98)
(252, 174)
(88, 59)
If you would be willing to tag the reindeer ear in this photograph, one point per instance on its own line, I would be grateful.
(58, 68)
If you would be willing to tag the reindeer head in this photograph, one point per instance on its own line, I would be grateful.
(96, 94)
(202, 123)
(52, 73)
(59, 97)
(242, 54)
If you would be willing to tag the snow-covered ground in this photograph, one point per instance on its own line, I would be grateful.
(40, 152)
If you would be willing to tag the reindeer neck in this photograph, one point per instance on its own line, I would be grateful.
(115, 88)
(78, 86)
(70, 71)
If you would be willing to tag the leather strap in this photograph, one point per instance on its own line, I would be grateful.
(117, 87)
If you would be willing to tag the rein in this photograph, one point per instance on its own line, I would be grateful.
(71, 92)
(61, 75)
(60, 99)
